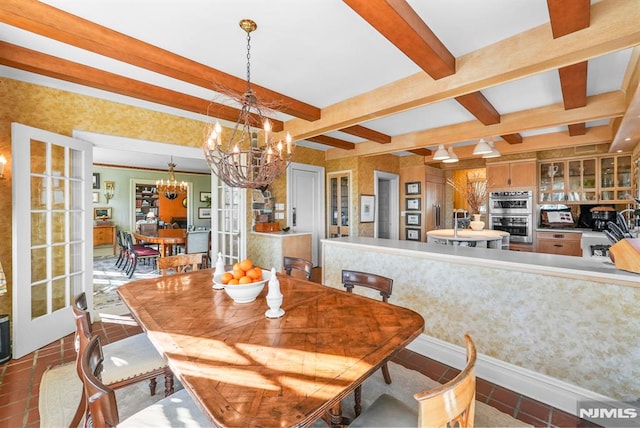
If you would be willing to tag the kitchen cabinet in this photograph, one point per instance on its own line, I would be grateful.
(605, 179)
(561, 243)
(147, 200)
(511, 175)
(339, 207)
(104, 235)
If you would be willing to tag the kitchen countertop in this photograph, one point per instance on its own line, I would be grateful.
(281, 234)
(468, 235)
(587, 233)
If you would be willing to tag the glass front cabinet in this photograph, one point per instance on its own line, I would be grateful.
(339, 206)
(604, 179)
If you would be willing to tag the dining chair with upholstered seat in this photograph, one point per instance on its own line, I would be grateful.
(181, 263)
(130, 360)
(137, 252)
(297, 264)
(384, 285)
(199, 241)
(178, 409)
(451, 404)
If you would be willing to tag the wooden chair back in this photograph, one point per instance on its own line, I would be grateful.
(180, 262)
(452, 404)
(297, 264)
(148, 228)
(103, 408)
(384, 285)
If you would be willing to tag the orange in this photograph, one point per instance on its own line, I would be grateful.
(236, 266)
(244, 280)
(238, 273)
(226, 277)
(246, 264)
(254, 274)
(233, 282)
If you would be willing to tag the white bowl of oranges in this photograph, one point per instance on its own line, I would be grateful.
(244, 282)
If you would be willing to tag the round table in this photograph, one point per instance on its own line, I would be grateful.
(486, 238)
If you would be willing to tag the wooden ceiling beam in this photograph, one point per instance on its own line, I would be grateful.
(47, 65)
(480, 107)
(573, 80)
(402, 26)
(512, 138)
(367, 134)
(333, 142)
(568, 16)
(577, 129)
(598, 107)
(421, 152)
(613, 27)
(45, 20)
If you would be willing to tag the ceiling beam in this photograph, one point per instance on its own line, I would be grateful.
(402, 26)
(367, 134)
(598, 107)
(573, 80)
(568, 16)
(577, 129)
(47, 65)
(421, 152)
(45, 20)
(333, 142)
(627, 130)
(613, 27)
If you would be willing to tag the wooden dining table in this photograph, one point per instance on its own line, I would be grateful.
(165, 238)
(246, 370)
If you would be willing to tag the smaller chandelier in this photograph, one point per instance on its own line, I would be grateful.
(171, 188)
(246, 159)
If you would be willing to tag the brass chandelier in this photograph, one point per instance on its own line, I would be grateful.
(171, 188)
(247, 159)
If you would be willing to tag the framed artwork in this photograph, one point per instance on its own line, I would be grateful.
(96, 197)
(412, 219)
(367, 208)
(412, 188)
(204, 212)
(102, 213)
(184, 202)
(412, 204)
(96, 180)
(205, 196)
(412, 234)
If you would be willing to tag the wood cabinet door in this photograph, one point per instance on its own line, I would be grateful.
(523, 174)
(498, 175)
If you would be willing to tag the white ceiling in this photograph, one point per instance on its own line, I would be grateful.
(317, 51)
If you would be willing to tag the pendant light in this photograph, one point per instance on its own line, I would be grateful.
(452, 156)
(441, 153)
(495, 153)
(482, 148)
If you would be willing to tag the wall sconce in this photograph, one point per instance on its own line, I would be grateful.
(109, 190)
(3, 162)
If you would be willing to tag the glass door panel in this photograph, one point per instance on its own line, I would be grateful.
(338, 204)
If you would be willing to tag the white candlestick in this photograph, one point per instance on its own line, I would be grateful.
(274, 297)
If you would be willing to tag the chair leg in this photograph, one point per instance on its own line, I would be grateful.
(133, 266)
(385, 373)
(152, 386)
(357, 399)
(80, 412)
(168, 383)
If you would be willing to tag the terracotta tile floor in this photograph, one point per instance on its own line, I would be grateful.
(20, 382)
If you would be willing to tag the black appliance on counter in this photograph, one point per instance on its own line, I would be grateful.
(596, 217)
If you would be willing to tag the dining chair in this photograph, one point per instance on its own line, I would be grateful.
(122, 248)
(448, 405)
(297, 264)
(384, 285)
(175, 410)
(138, 252)
(130, 360)
(199, 241)
(181, 263)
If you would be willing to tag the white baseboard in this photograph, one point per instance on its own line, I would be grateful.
(559, 394)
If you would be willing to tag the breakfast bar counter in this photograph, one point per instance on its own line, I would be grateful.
(470, 238)
(559, 329)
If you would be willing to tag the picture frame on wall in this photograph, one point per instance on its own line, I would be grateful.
(204, 212)
(96, 197)
(412, 188)
(103, 213)
(412, 204)
(205, 196)
(412, 234)
(413, 219)
(367, 208)
(96, 180)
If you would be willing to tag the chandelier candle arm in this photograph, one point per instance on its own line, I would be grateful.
(241, 160)
(171, 189)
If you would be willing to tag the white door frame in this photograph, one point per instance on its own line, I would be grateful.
(394, 202)
(319, 233)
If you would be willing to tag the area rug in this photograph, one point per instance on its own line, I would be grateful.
(106, 280)
(60, 390)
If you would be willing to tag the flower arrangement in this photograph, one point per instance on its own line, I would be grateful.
(473, 188)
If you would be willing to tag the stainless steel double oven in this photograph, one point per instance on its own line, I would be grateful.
(512, 211)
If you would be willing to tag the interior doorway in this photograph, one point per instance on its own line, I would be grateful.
(386, 187)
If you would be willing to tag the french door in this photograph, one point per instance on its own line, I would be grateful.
(228, 222)
(52, 234)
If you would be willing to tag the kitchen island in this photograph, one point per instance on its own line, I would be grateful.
(556, 328)
(267, 249)
(470, 238)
